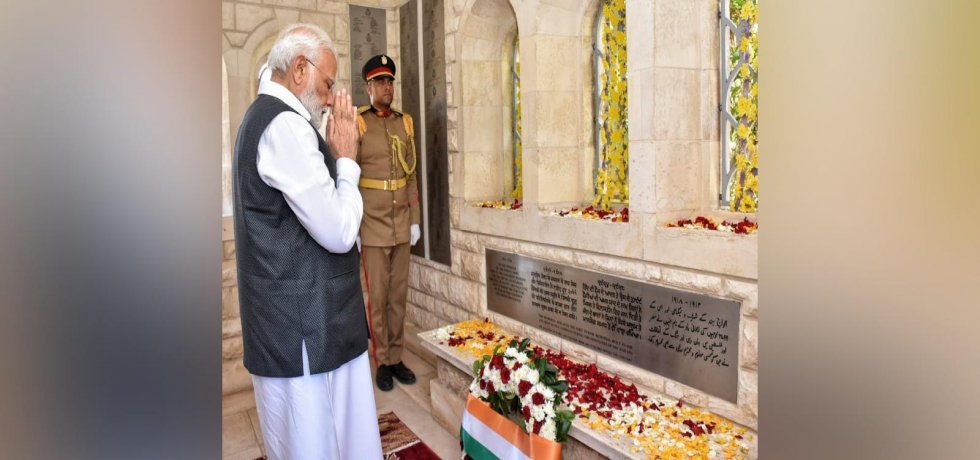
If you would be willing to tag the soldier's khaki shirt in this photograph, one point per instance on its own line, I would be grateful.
(388, 215)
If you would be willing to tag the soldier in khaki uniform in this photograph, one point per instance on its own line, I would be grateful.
(391, 217)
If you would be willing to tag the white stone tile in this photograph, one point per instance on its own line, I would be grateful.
(248, 17)
(676, 31)
(227, 15)
(678, 176)
(639, 34)
(236, 434)
(304, 4)
(324, 21)
(676, 104)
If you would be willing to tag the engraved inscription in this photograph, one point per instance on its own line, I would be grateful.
(688, 337)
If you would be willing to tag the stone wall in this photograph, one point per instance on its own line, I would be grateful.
(234, 377)
(674, 148)
(674, 155)
(249, 29)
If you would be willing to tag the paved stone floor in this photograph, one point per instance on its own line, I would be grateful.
(241, 437)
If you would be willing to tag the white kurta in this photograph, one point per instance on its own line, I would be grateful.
(330, 415)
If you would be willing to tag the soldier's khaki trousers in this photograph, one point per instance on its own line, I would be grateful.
(385, 272)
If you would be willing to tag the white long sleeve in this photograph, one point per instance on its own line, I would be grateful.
(290, 161)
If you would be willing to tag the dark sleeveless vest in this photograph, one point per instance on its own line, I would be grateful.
(290, 288)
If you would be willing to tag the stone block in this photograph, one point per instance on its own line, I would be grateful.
(712, 168)
(640, 35)
(551, 60)
(229, 302)
(576, 450)
(228, 250)
(237, 435)
(678, 175)
(642, 176)
(463, 293)
(447, 408)
(231, 327)
(482, 84)
(248, 17)
(732, 412)
(303, 4)
(421, 300)
(467, 241)
(227, 15)
(709, 105)
(284, 18)
(558, 169)
(749, 348)
(472, 266)
(542, 338)
(341, 28)
(603, 264)
(556, 21)
(452, 314)
(501, 244)
(631, 373)
(547, 252)
(652, 273)
(324, 21)
(413, 343)
(558, 122)
(484, 178)
(229, 273)
(676, 32)
(715, 252)
(234, 377)
(578, 352)
(481, 131)
(676, 104)
(748, 293)
(748, 393)
(236, 39)
(709, 34)
(453, 379)
(506, 323)
(232, 348)
(694, 281)
(332, 7)
(686, 393)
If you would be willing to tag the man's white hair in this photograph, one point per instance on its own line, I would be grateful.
(299, 40)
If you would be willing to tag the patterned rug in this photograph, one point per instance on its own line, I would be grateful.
(398, 442)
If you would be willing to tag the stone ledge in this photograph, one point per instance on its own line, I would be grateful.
(602, 443)
(608, 447)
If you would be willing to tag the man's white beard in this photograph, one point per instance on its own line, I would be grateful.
(312, 104)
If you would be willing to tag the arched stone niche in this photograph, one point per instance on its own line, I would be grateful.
(486, 37)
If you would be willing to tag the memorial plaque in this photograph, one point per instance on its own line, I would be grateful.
(436, 140)
(368, 37)
(688, 337)
(408, 71)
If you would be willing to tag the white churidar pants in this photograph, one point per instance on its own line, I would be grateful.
(329, 416)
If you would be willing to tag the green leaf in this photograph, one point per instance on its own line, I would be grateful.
(476, 367)
(524, 344)
(559, 387)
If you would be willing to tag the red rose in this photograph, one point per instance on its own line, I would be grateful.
(537, 399)
(527, 413)
(523, 388)
(537, 427)
(505, 375)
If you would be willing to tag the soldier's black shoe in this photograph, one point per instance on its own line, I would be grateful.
(402, 373)
(384, 378)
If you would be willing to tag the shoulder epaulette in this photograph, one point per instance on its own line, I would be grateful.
(361, 124)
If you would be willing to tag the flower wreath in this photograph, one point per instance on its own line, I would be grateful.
(516, 381)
